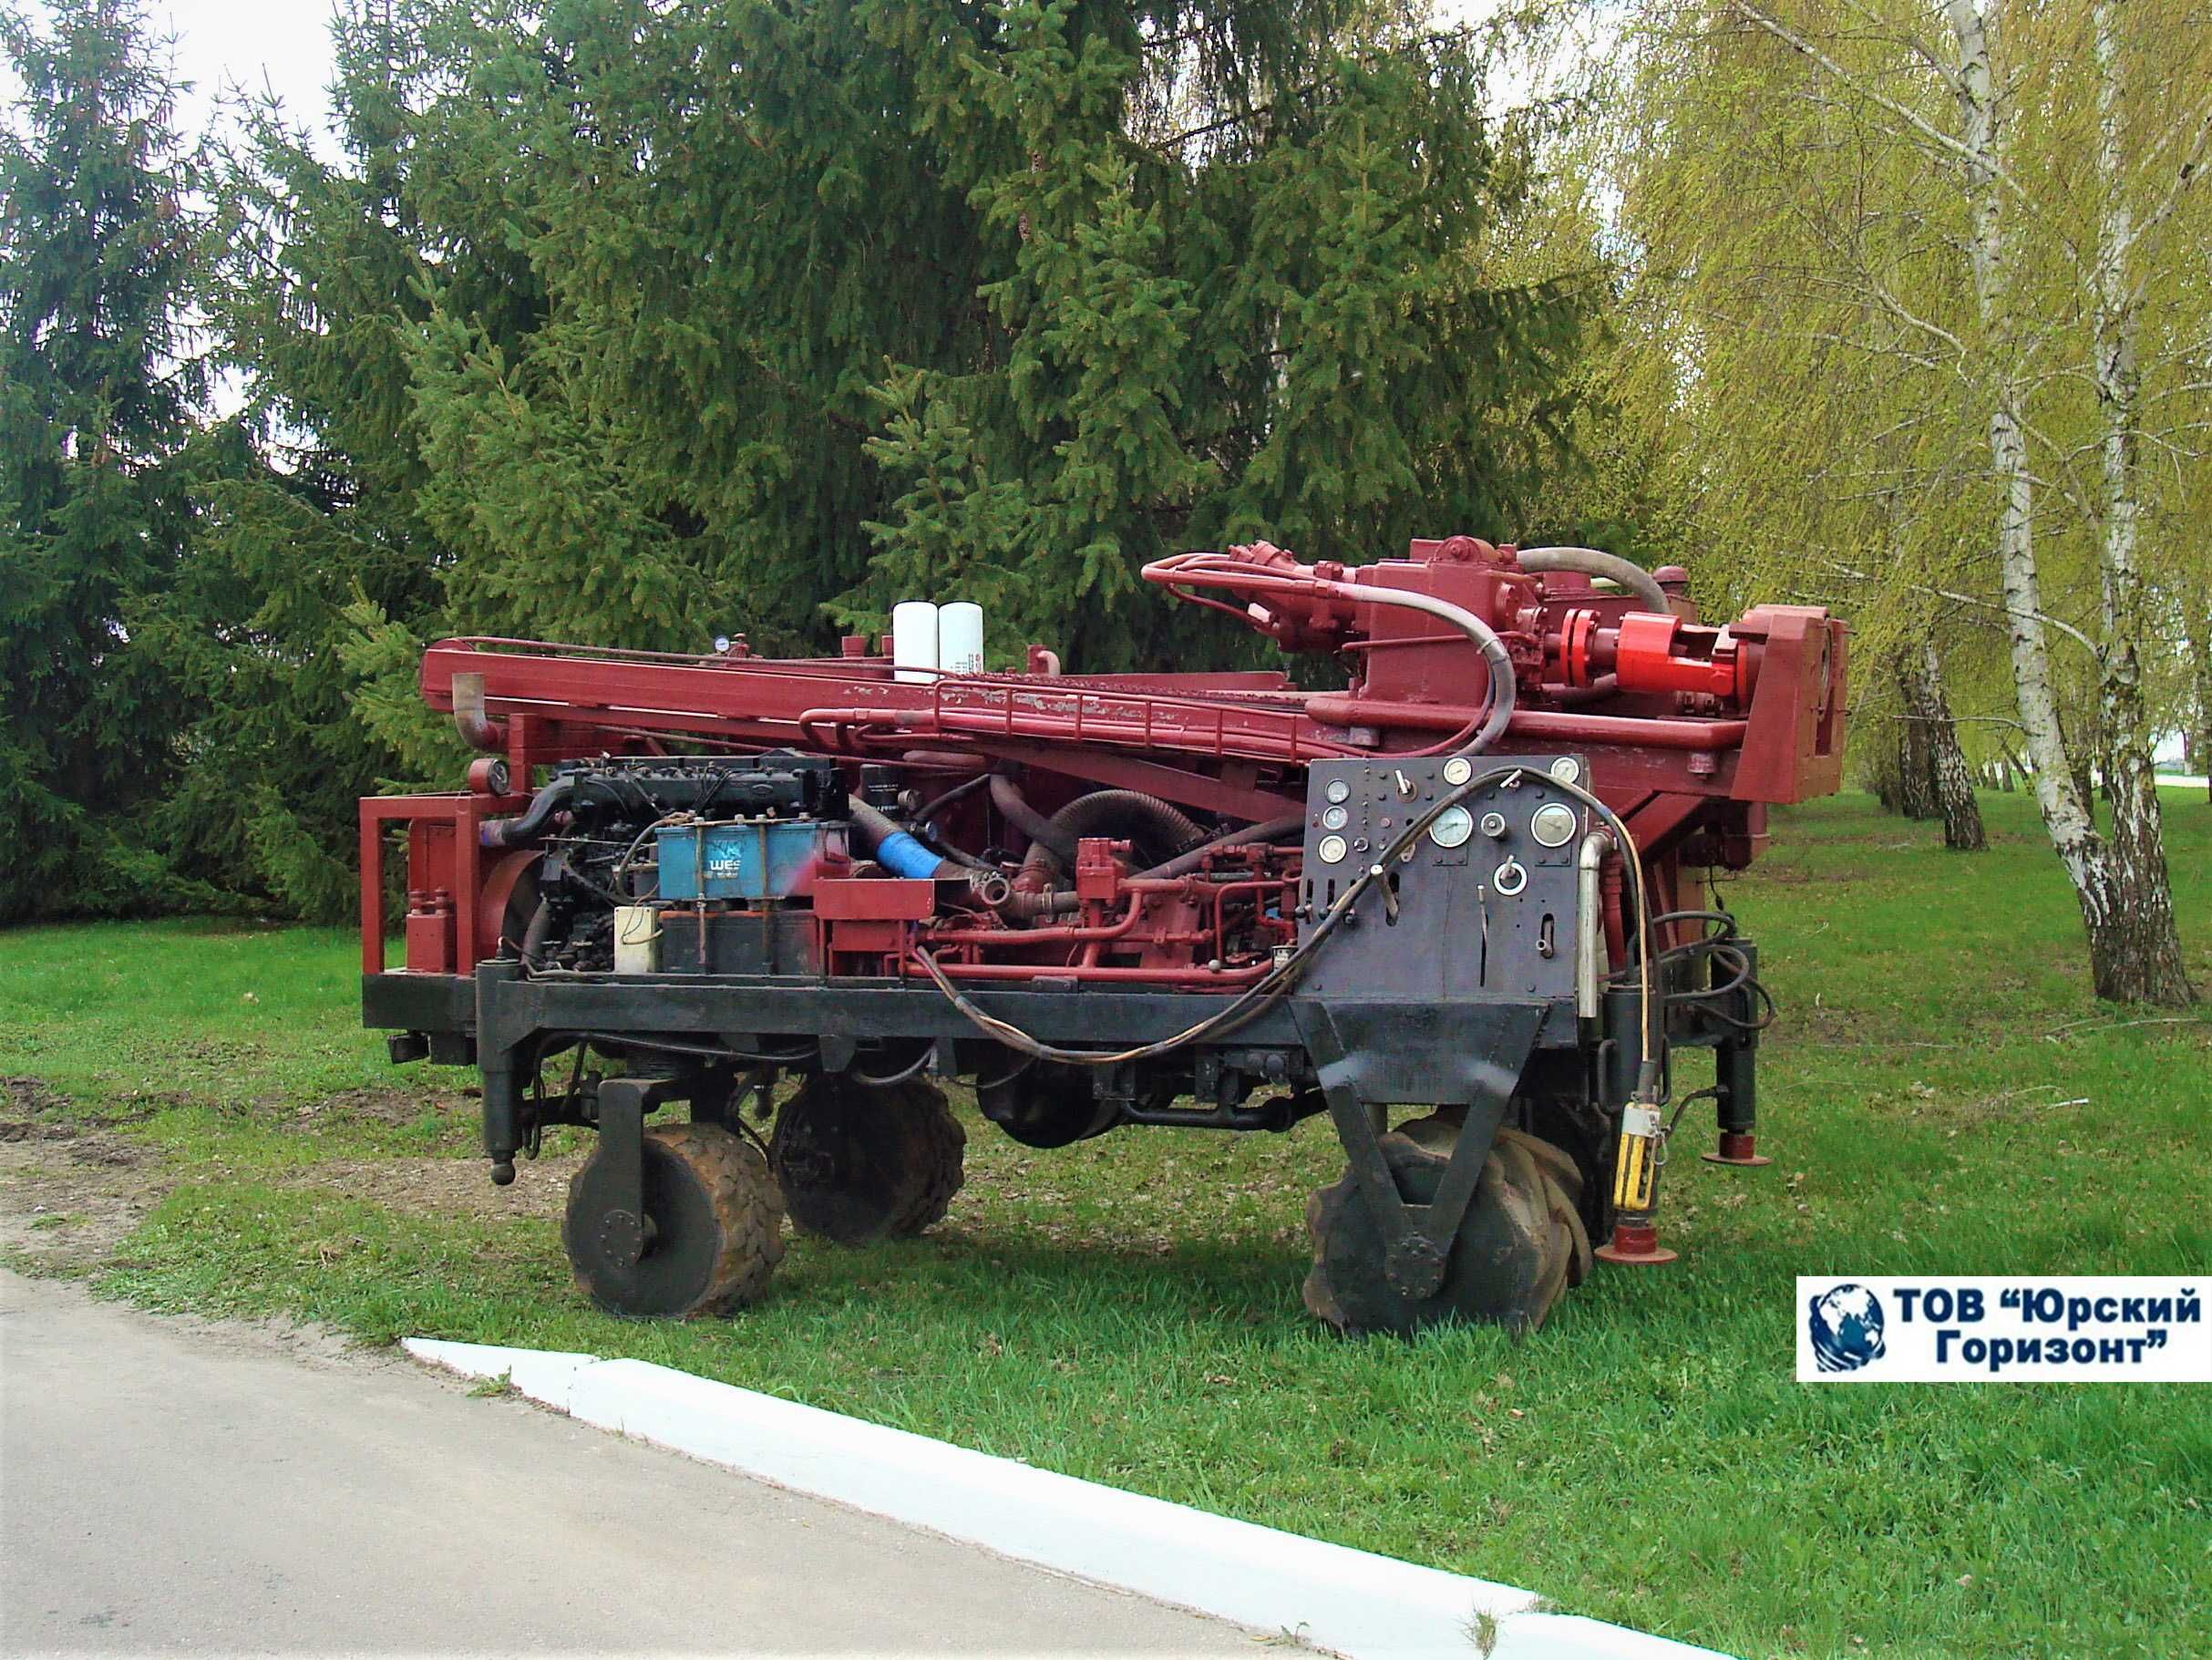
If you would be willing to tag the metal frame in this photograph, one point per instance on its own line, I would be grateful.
(506, 1012)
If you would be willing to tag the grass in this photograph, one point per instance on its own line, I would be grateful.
(1942, 1097)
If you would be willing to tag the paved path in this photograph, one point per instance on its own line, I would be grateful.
(185, 1485)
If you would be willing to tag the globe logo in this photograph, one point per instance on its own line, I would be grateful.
(1846, 1324)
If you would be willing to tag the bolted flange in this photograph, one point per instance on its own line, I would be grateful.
(621, 1238)
(1415, 1267)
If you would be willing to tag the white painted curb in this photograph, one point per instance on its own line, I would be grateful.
(1353, 1602)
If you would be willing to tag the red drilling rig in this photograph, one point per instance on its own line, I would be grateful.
(1445, 905)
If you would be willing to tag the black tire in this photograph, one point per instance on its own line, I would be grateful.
(1520, 1247)
(857, 1163)
(714, 1227)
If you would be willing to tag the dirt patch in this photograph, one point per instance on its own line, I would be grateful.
(380, 1105)
(447, 1186)
(68, 1199)
(33, 1096)
(26, 1129)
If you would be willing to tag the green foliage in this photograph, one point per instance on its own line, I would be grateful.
(630, 326)
(98, 394)
(766, 316)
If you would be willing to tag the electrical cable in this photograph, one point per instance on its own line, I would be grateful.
(900, 1077)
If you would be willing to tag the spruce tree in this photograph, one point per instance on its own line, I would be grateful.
(99, 392)
(634, 324)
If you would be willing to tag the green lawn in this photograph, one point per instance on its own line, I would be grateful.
(1942, 1095)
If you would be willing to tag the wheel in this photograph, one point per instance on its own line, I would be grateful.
(713, 1227)
(856, 1162)
(1519, 1246)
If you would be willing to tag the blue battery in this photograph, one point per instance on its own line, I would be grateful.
(758, 858)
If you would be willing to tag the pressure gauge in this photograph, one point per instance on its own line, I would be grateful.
(1454, 825)
(1331, 850)
(1553, 826)
(1335, 818)
(1338, 790)
(1567, 769)
(1458, 770)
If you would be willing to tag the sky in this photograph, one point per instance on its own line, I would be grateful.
(227, 44)
(284, 45)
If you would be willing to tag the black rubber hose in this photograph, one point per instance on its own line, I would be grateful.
(534, 936)
(1634, 578)
(1182, 864)
(529, 824)
(1130, 813)
(1015, 807)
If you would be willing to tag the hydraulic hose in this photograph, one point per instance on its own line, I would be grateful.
(1274, 830)
(1493, 653)
(1591, 561)
(1180, 573)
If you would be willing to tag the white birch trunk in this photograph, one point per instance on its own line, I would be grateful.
(2140, 958)
(1951, 780)
(2065, 811)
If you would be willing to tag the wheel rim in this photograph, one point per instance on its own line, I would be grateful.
(682, 1237)
(710, 1237)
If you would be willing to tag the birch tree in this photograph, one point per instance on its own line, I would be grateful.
(2053, 152)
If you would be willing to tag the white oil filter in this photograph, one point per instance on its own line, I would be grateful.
(913, 639)
(637, 940)
(959, 638)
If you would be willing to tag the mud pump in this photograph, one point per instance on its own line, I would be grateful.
(1450, 905)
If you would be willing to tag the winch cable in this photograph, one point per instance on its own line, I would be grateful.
(1279, 982)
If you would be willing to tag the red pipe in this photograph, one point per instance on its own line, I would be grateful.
(1342, 709)
(1071, 935)
(1152, 976)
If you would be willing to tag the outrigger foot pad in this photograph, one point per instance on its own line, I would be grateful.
(1737, 1149)
(1634, 1242)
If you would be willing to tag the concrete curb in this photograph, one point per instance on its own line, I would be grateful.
(1352, 1602)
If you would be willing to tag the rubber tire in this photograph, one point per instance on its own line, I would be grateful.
(717, 1219)
(1520, 1247)
(857, 1163)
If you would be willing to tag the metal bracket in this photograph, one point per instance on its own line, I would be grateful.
(1417, 1239)
(623, 1102)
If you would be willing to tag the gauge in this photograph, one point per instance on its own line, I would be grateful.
(1335, 818)
(1458, 770)
(1553, 826)
(1331, 850)
(1338, 790)
(1567, 769)
(1454, 825)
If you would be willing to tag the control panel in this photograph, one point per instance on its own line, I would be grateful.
(1480, 906)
